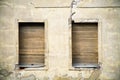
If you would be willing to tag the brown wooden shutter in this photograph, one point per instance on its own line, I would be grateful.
(84, 43)
(31, 43)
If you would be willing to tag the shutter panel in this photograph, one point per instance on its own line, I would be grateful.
(84, 43)
(31, 43)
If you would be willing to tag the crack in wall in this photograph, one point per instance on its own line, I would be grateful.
(72, 6)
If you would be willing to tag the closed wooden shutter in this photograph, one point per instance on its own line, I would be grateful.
(84, 43)
(31, 43)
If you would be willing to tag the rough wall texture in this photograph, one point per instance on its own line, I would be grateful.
(57, 14)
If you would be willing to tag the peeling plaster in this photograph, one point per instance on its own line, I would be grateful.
(5, 4)
(4, 74)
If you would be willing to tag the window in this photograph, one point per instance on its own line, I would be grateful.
(85, 44)
(31, 45)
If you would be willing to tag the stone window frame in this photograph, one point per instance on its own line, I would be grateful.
(100, 55)
(17, 67)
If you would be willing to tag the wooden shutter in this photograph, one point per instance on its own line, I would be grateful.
(84, 43)
(31, 43)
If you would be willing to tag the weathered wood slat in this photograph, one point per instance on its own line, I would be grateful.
(31, 51)
(86, 60)
(84, 43)
(85, 54)
(31, 59)
(85, 49)
(86, 65)
(78, 39)
(28, 46)
(85, 57)
(32, 36)
(84, 27)
(31, 43)
(85, 33)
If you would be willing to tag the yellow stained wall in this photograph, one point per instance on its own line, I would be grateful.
(57, 14)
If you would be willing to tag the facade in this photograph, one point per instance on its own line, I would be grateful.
(59, 40)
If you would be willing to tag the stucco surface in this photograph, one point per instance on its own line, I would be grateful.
(58, 36)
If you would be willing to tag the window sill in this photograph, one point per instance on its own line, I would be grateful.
(30, 67)
(83, 66)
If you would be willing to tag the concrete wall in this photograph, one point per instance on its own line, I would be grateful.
(57, 14)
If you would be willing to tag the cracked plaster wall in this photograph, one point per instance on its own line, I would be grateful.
(58, 12)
